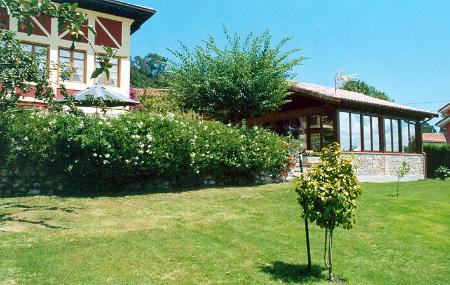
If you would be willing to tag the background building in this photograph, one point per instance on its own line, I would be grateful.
(114, 22)
(445, 122)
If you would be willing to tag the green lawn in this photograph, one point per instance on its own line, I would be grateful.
(248, 235)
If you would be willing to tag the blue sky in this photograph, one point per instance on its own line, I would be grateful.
(400, 47)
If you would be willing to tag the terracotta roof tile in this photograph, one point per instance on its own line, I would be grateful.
(433, 138)
(329, 93)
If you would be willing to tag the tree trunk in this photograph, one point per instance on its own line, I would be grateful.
(308, 249)
(328, 252)
(398, 184)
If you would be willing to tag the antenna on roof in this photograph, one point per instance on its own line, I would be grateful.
(339, 78)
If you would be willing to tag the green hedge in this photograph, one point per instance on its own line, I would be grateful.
(97, 153)
(437, 155)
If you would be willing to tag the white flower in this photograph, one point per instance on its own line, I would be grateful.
(94, 155)
(149, 137)
(105, 162)
(170, 116)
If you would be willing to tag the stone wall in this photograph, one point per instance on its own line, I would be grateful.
(377, 167)
(381, 167)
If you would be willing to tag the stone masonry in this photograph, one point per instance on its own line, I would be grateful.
(377, 167)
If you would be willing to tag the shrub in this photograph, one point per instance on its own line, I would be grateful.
(437, 155)
(103, 152)
(442, 172)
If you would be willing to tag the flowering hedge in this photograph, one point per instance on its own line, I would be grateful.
(101, 152)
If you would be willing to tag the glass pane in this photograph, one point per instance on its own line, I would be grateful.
(78, 77)
(344, 130)
(302, 133)
(41, 50)
(64, 53)
(78, 64)
(78, 55)
(405, 136)
(101, 80)
(315, 141)
(327, 129)
(412, 137)
(387, 135)
(314, 130)
(375, 134)
(367, 134)
(26, 47)
(356, 132)
(395, 136)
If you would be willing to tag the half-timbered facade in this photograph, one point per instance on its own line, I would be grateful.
(114, 22)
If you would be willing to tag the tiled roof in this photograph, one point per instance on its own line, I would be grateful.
(339, 95)
(433, 138)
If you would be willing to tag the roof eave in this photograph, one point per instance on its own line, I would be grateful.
(442, 123)
(139, 14)
(418, 113)
(444, 109)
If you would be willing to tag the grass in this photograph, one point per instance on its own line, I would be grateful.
(248, 235)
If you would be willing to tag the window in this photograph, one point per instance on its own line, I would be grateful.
(113, 74)
(314, 130)
(388, 135)
(40, 51)
(375, 134)
(355, 123)
(302, 133)
(75, 64)
(367, 133)
(327, 129)
(408, 136)
(391, 135)
(359, 132)
(344, 130)
(395, 136)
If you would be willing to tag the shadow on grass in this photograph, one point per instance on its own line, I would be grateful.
(125, 190)
(294, 273)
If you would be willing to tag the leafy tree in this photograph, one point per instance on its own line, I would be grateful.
(327, 193)
(428, 128)
(245, 78)
(362, 87)
(401, 172)
(19, 69)
(148, 71)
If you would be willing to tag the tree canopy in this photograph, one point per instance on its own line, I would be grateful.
(148, 71)
(245, 78)
(362, 87)
(428, 128)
